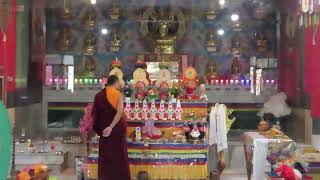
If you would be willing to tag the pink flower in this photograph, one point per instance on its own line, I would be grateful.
(86, 122)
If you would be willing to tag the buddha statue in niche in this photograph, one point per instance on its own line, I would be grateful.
(235, 68)
(90, 43)
(64, 40)
(261, 42)
(115, 43)
(90, 67)
(90, 17)
(165, 43)
(212, 70)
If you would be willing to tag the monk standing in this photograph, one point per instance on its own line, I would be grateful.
(112, 129)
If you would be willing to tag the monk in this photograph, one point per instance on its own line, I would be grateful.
(109, 125)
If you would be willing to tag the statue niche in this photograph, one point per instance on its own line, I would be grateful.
(162, 24)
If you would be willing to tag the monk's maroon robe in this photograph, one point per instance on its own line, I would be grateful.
(113, 150)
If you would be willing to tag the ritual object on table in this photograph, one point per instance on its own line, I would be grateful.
(152, 95)
(140, 90)
(116, 63)
(190, 80)
(36, 172)
(178, 110)
(170, 110)
(140, 80)
(195, 133)
(164, 91)
(127, 91)
(138, 134)
(162, 111)
(150, 131)
(128, 109)
(175, 90)
(140, 75)
(179, 137)
(145, 110)
(153, 111)
(136, 110)
(117, 72)
(203, 95)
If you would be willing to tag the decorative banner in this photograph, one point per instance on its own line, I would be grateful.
(5, 142)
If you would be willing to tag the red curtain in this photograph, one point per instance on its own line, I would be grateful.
(312, 68)
(8, 49)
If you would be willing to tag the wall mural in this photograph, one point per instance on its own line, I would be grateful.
(97, 34)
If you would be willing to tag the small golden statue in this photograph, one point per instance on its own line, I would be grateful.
(115, 44)
(66, 12)
(213, 10)
(236, 47)
(211, 42)
(89, 44)
(90, 17)
(261, 42)
(65, 37)
(114, 11)
(90, 67)
(212, 70)
(165, 44)
(236, 68)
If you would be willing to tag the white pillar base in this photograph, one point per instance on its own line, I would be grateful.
(316, 141)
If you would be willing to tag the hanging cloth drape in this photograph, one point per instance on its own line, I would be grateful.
(218, 128)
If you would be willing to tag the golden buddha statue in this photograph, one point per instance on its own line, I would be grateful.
(114, 11)
(64, 40)
(213, 10)
(66, 11)
(115, 44)
(236, 68)
(236, 47)
(90, 67)
(165, 44)
(90, 17)
(212, 70)
(261, 42)
(89, 44)
(211, 43)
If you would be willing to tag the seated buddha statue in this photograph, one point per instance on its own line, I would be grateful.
(64, 40)
(212, 71)
(89, 44)
(211, 43)
(165, 44)
(261, 42)
(235, 69)
(90, 17)
(90, 67)
(115, 44)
